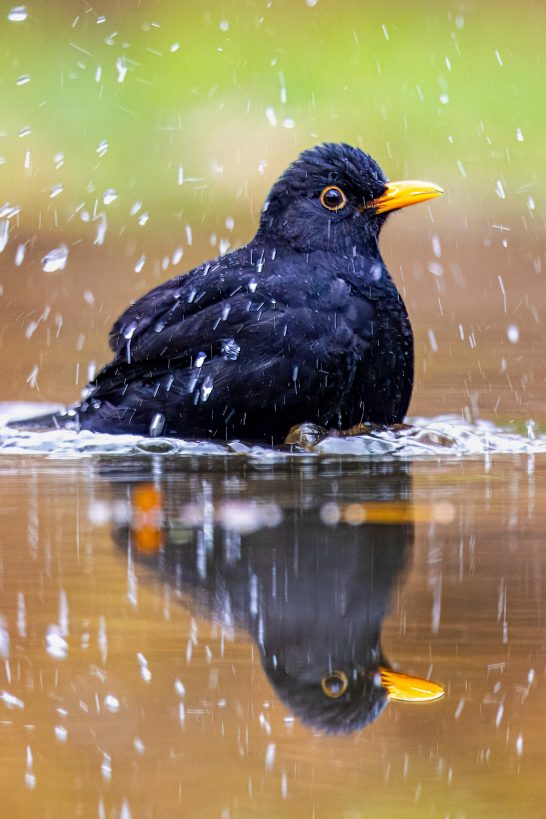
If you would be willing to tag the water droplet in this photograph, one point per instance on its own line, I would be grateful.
(24, 79)
(25, 132)
(157, 425)
(55, 191)
(230, 349)
(18, 14)
(224, 25)
(121, 68)
(4, 234)
(206, 389)
(444, 99)
(140, 264)
(288, 123)
(61, 733)
(199, 359)
(177, 255)
(174, 47)
(7, 211)
(188, 234)
(435, 268)
(432, 340)
(102, 147)
(20, 254)
(270, 756)
(143, 218)
(111, 703)
(512, 333)
(270, 115)
(230, 222)
(519, 135)
(55, 260)
(56, 645)
(102, 226)
(109, 196)
(252, 285)
(461, 168)
(499, 189)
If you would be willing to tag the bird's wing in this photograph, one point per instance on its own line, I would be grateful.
(228, 299)
(267, 329)
(177, 317)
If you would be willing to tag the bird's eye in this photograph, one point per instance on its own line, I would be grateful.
(333, 198)
(334, 684)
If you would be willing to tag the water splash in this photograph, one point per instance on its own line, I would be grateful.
(55, 260)
(425, 438)
(18, 14)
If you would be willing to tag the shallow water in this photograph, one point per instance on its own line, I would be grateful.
(437, 437)
(147, 585)
(145, 597)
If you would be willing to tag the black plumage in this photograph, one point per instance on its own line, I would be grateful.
(302, 324)
(313, 596)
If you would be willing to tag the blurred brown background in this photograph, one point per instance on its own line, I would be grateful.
(131, 133)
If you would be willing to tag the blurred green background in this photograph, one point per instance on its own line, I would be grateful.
(134, 130)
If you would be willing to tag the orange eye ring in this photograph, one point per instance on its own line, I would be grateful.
(334, 684)
(333, 198)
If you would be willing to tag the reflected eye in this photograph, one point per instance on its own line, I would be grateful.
(333, 198)
(335, 684)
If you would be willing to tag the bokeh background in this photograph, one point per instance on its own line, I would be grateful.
(140, 137)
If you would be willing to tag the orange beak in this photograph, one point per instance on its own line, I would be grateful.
(401, 194)
(405, 688)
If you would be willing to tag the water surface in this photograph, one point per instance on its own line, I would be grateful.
(143, 598)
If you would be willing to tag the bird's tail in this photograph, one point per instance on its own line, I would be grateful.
(64, 419)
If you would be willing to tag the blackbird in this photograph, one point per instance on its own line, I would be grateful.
(302, 324)
(311, 594)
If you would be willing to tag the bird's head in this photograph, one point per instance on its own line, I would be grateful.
(345, 696)
(335, 197)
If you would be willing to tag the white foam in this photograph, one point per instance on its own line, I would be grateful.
(442, 436)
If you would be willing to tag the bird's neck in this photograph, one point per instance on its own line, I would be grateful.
(362, 261)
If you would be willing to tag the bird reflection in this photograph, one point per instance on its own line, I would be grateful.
(310, 582)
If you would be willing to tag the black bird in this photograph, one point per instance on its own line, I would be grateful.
(302, 324)
(312, 594)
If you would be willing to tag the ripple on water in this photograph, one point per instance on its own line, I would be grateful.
(438, 437)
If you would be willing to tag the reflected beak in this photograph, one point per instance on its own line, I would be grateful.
(401, 194)
(405, 688)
